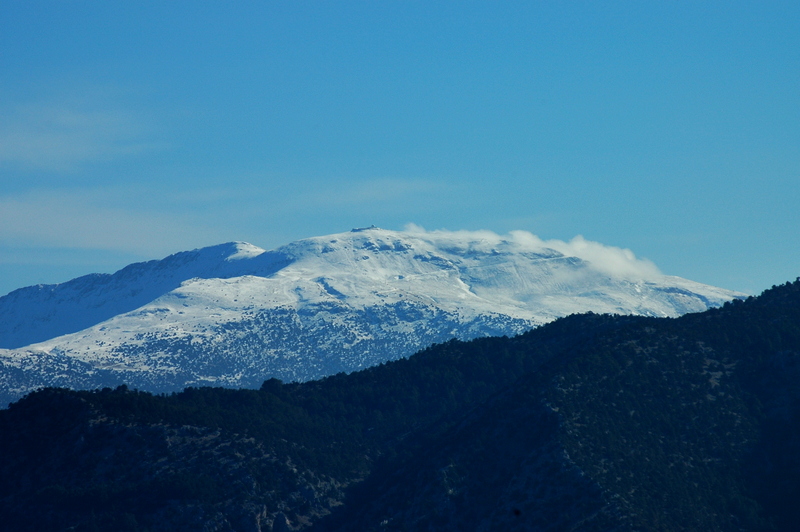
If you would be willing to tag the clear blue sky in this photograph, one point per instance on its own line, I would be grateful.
(132, 130)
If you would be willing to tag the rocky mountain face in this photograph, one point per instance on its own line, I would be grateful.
(591, 423)
(235, 315)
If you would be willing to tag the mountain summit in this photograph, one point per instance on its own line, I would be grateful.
(235, 314)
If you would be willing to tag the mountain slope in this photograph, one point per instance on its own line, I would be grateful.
(588, 423)
(235, 315)
(37, 313)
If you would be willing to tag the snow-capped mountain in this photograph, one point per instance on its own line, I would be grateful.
(235, 314)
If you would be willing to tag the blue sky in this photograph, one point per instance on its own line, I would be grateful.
(129, 131)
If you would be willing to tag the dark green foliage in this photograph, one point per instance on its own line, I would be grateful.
(331, 429)
(591, 422)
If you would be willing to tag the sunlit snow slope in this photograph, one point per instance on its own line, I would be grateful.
(236, 315)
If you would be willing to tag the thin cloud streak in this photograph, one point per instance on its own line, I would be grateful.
(287, 194)
(61, 137)
(107, 219)
(77, 219)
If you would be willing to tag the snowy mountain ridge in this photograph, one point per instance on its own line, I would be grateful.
(235, 314)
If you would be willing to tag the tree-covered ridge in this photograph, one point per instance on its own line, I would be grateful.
(331, 430)
(592, 422)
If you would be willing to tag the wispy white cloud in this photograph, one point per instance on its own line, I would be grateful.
(257, 195)
(61, 135)
(269, 209)
(94, 220)
(607, 259)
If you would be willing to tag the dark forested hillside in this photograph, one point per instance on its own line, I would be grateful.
(592, 422)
